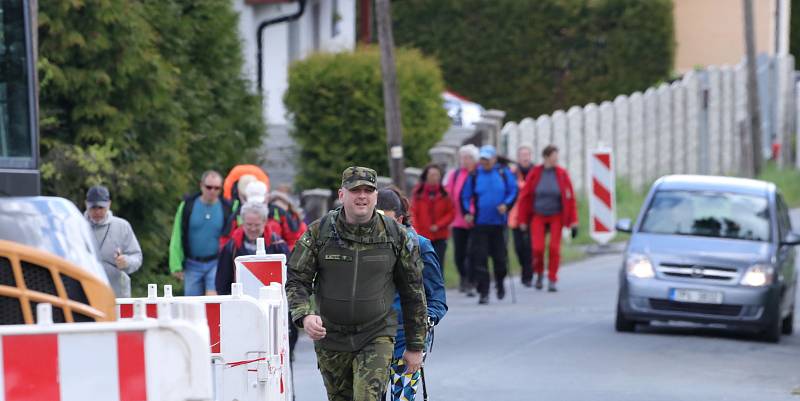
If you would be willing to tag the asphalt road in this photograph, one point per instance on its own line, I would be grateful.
(563, 346)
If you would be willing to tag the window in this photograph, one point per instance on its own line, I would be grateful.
(315, 26)
(294, 41)
(784, 222)
(708, 214)
(336, 19)
(17, 139)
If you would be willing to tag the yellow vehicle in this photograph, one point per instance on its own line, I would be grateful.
(47, 253)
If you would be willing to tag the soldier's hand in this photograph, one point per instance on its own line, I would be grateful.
(502, 209)
(313, 326)
(413, 361)
(178, 275)
(523, 227)
(468, 218)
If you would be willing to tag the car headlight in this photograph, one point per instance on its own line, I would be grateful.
(639, 266)
(758, 276)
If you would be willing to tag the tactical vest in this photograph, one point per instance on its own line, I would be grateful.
(354, 287)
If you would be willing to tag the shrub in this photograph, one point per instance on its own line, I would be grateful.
(530, 57)
(336, 101)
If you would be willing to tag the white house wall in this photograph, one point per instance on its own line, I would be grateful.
(276, 41)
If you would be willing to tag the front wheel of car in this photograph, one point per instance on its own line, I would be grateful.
(623, 324)
(787, 325)
(772, 331)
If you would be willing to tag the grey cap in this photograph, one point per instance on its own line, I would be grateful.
(98, 196)
(389, 201)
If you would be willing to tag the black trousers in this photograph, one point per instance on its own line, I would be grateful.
(486, 241)
(440, 246)
(460, 246)
(522, 247)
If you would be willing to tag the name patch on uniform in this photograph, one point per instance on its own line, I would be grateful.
(343, 258)
(378, 258)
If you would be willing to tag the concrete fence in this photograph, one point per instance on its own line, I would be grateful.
(693, 125)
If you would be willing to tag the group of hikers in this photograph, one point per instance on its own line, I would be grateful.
(366, 280)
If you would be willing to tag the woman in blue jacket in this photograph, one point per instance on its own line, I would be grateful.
(404, 387)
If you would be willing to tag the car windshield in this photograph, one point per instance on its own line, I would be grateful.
(708, 214)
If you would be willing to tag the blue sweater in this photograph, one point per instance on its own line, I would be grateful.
(433, 281)
(488, 190)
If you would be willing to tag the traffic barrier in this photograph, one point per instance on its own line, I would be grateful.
(137, 359)
(257, 271)
(602, 196)
(243, 332)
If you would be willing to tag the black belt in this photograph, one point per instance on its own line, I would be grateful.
(205, 259)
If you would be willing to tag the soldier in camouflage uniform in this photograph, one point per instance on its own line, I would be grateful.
(354, 260)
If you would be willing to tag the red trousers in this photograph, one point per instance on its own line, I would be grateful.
(538, 233)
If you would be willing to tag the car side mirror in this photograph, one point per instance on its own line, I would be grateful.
(791, 239)
(626, 226)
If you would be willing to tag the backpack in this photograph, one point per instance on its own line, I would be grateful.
(473, 177)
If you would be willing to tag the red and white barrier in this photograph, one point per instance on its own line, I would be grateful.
(243, 332)
(138, 359)
(254, 272)
(602, 196)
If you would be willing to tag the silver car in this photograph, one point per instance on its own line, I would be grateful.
(715, 250)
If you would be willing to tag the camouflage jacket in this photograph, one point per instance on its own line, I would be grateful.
(354, 271)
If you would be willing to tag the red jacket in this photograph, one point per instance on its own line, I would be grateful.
(569, 207)
(427, 210)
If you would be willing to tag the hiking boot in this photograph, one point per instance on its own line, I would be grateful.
(501, 291)
(527, 283)
(539, 282)
(484, 299)
(469, 289)
(551, 287)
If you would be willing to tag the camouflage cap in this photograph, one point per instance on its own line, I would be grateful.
(356, 176)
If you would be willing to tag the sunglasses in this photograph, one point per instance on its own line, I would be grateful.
(212, 187)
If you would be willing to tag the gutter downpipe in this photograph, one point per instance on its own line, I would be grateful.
(260, 38)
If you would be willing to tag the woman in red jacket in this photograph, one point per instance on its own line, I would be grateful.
(432, 209)
(547, 202)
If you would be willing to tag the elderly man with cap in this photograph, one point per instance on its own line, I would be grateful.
(353, 260)
(490, 191)
(117, 247)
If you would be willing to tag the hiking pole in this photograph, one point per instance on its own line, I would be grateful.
(513, 290)
(424, 386)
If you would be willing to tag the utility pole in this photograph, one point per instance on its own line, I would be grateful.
(754, 125)
(391, 99)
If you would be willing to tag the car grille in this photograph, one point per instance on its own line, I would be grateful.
(690, 307)
(721, 274)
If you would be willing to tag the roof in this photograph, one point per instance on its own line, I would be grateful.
(715, 183)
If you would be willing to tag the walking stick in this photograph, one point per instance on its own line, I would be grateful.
(513, 290)
(424, 387)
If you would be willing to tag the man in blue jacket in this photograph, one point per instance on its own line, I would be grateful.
(404, 386)
(492, 190)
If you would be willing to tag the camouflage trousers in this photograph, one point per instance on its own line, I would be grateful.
(357, 376)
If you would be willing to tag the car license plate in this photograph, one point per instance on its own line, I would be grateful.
(696, 296)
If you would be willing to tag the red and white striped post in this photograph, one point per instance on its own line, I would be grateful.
(602, 196)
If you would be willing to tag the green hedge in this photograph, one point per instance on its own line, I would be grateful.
(530, 57)
(337, 104)
(142, 96)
